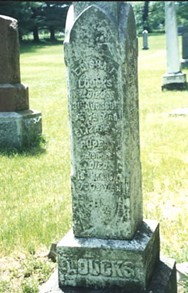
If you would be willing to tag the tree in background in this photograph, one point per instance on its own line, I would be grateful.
(182, 12)
(17, 10)
(54, 16)
(145, 15)
(37, 19)
(35, 16)
(157, 16)
(149, 15)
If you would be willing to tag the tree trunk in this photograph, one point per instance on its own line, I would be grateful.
(36, 34)
(145, 16)
(52, 34)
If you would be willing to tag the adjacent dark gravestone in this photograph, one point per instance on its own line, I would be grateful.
(174, 78)
(111, 247)
(145, 40)
(184, 62)
(19, 126)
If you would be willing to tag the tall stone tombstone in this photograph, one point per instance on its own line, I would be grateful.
(174, 78)
(145, 40)
(184, 61)
(19, 126)
(111, 248)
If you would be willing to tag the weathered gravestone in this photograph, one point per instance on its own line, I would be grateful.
(19, 126)
(184, 62)
(145, 40)
(174, 78)
(111, 247)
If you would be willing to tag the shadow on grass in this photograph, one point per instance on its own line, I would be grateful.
(175, 87)
(31, 46)
(36, 148)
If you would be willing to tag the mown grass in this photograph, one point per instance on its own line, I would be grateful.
(35, 184)
(35, 189)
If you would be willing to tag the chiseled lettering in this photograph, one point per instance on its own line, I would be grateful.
(93, 186)
(106, 268)
(83, 266)
(94, 164)
(97, 63)
(94, 105)
(94, 83)
(93, 63)
(94, 267)
(90, 155)
(117, 269)
(92, 143)
(127, 270)
(69, 266)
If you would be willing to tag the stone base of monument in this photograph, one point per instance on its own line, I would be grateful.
(163, 281)
(20, 129)
(174, 81)
(184, 63)
(92, 262)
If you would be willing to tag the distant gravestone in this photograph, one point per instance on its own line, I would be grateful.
(184, 61)
(174, 78)
(145, 40)
(19, 126)
(111, 248)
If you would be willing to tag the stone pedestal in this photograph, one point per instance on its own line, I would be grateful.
(174, 81)
(99, 263)
(20, 129)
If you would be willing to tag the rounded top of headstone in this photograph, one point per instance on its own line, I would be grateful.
(5, 18)
(8, 22)
(110, 7)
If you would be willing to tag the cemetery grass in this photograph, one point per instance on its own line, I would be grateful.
(35, 194)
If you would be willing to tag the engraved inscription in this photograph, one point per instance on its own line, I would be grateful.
(93, 63)
(95, 112)
(104, 268)
(96, 83)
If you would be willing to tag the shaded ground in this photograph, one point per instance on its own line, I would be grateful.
(21, 273)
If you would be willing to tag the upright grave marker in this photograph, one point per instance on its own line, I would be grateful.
(102, 167)
(174, 78)
(19, 125)
(145, 40)
(110, 246)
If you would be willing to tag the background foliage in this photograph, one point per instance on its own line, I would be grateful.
(34, 17)
(150, 15)
(48, 17)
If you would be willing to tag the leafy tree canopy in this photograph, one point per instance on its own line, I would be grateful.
(34, 16)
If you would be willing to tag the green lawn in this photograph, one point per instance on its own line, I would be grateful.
(35, 185)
